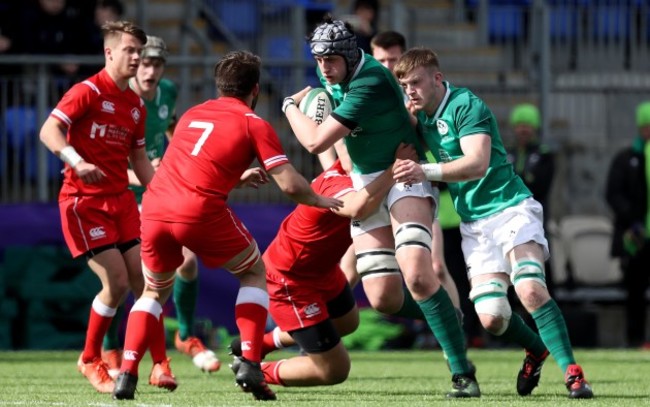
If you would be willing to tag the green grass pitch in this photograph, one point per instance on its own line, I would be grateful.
(385, 378)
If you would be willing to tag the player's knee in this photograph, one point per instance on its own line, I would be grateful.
(189, 270)
(490, 300)
(339, 374)
(528, 270)
(440, 270)
(529, 280)
(375, 263)
(386, 302)
(251, 263)
(118, 286)
(160, 283)
(413, 234)
(496, 325)
(336, 370)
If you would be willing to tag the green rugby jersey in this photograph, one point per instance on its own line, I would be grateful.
(160, 111)
(461, 113)
(372, 103)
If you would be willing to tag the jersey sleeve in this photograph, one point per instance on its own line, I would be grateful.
(472, 116)
(74, 103)
(267, 146)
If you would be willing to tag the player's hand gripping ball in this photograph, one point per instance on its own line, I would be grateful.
(317, 104)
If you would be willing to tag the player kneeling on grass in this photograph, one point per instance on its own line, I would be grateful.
(309, 296)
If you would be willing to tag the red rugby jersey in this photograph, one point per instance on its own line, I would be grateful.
(104, 125)
(312, 239)
(213, 144)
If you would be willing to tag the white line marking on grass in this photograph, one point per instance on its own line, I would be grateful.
(45, 403)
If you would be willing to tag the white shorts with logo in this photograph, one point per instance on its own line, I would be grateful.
(487, 241)
(381, 217)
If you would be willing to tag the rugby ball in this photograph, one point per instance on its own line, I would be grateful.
(317, 104)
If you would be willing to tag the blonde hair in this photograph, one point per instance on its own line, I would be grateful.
(415, 58)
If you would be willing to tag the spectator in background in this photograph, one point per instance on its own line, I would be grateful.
(95, 16)
(364, 17)
(627, 192)
(8, 26)
(8, 45)
(534, 162)
(53, 27)
(105, 11)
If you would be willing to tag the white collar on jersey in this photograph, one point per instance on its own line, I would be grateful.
(443, 103)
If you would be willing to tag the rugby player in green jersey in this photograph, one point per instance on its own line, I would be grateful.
(387, 47)
(502, 230)
(370, 116)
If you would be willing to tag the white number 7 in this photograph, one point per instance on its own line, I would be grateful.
(207, 129)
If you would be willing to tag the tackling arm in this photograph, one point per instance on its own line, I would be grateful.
(296, 187)
(362, 203)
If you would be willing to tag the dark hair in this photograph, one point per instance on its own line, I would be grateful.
(117, 28)
(371, 4)
(116, 5)
(415, 58)
(388, 39)
(237, 73)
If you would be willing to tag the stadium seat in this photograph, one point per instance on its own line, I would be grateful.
(609, 22)
(280, 47)
(506, 23)
(21, 126)
(563, 22)
(241, 17)
(20, 123)
(586, 244)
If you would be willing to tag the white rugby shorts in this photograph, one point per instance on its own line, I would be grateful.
(487, 241)
(381, 217)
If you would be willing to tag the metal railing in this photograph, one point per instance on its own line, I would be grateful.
(587, 87)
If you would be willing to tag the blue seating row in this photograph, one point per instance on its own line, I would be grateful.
(20, 125)
(599, 20)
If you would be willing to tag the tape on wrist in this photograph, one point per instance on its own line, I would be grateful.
(288, 101)
(432, 171)
(70, 156)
